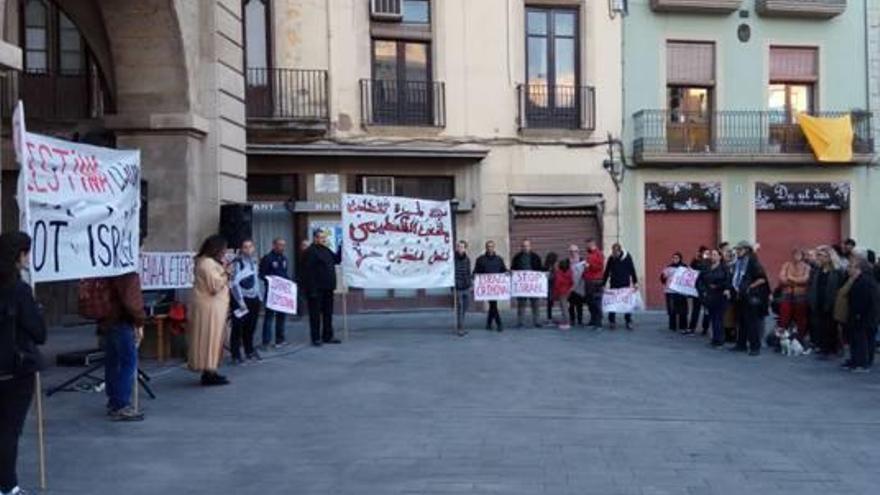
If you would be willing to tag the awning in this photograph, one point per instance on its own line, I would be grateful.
(553, 202)
(384, 150)
(830, 138)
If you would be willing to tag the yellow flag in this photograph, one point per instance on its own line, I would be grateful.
(830, 138)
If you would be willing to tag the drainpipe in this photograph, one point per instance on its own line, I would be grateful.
(329, 77)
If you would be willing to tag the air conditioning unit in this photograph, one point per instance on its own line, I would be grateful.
(386, 10)
(379, 186)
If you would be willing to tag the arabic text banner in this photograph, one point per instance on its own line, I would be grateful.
(160, 271)
(396, 243)
(492, 287)
(80, 204)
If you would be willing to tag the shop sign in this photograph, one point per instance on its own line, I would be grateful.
(781, 196)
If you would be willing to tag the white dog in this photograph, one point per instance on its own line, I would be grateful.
(790, 344)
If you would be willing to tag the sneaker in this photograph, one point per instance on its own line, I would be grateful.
(255, 356)
(565, 326)
(629, 325)
(316, 343)
(127, 414)
(462, 333)
(333, 341)
(281, 344)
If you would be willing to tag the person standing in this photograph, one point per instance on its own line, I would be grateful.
(563, 283)
(526, 260)
(578, 293)
(715, 290)
(822, 293)
(21, 331)
(620, 273)
(700, 263)
(794, 280)
(463, 284)
(210, 310)
(550, 268)
(752, 299)
(862, 314)
(676, 304)
(122, 330)
(319, 280)
(301, 303)
(274, 264)
(248, 301)
(490, 263)
(594, 275)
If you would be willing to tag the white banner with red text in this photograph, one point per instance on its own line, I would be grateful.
(281, 295)
(80, 204)
(626, 300)
(683, 280)
(166, 270)
(492, 287)
(396, 243)
(531, 284)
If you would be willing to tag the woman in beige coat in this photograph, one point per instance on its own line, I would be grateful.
(210, 310)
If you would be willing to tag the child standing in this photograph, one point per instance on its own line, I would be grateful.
(563, 283)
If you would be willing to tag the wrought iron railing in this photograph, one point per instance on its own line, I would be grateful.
(734, 132)
(52, 97)
(287, 95)
(403, 103)
(556, 107)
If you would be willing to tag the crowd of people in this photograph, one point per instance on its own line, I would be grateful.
(826, 300)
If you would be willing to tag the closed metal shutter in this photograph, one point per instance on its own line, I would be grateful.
(690, 63)
(781, 231)
(553, 230)
(794, 64)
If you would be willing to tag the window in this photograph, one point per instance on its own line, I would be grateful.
(794, 73)
(423, 187)
(256, 34)
(417, 11)
(690, 87)
(36, 36)
(70, 47)
(263, 186)
(552, 56)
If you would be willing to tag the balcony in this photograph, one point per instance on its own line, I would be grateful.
(818, 9)
(544, 106)
(287, 98)
(696, 6)
(390, 102)
(665, 137)
(52, 98)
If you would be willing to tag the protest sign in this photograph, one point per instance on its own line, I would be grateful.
(80, 204)
(281, 295)
(491, 287)
(524, 283)
(166, 270)
(626, 300)
(683, 281)
(396, 243)
(333, 231)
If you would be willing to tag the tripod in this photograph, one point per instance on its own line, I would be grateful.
(143, 380)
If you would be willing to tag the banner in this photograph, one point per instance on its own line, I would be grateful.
(491, 287)
(281, 295)
(683, 281)
(528, 284)
(167, 270)
(80, 204)
(626, 300)
(396, 243)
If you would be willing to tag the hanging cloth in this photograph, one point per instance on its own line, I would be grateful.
(830, 138)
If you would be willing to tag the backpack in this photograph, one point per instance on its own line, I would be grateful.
(95, 298)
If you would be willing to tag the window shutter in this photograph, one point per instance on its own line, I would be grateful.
(793, 64)
(690, 64)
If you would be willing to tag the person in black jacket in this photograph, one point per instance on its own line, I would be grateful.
(700, 263)
(488, 263)
(274, 264)
(825, 283)
(526, 260)
(620, 272)
(463, 283)
(863, 312)
(22, 330)
(319, 282)
(715, 290)
(752, 299)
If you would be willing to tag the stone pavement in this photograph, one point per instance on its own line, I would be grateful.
(404, 407)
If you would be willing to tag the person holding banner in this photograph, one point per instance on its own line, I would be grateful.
(715, 291)
(752, 299)
(274, 264)
(319, 280)
(676, 304)
(490, 262)
(620, 272)
(526, 260)
(248, 301)
(579, 293)
(594, 277)
(210, 310)
(463, 284)
(22, 330)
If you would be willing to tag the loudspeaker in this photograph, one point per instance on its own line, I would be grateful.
(236, 223)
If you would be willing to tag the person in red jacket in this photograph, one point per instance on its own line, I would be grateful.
(563, 283)
(594, 276)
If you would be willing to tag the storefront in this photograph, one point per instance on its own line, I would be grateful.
(552, 223)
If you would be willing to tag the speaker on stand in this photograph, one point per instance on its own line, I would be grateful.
(236, 223)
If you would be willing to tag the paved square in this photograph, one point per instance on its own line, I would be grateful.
(406, 408)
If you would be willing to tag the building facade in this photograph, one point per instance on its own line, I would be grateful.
(712, 93)
(500, 106)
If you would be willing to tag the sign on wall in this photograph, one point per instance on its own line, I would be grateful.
(327, 183)
(166, 270)
(802, 196)
(396, 243)
(682, 196)
(80, 204)
(491, 287)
